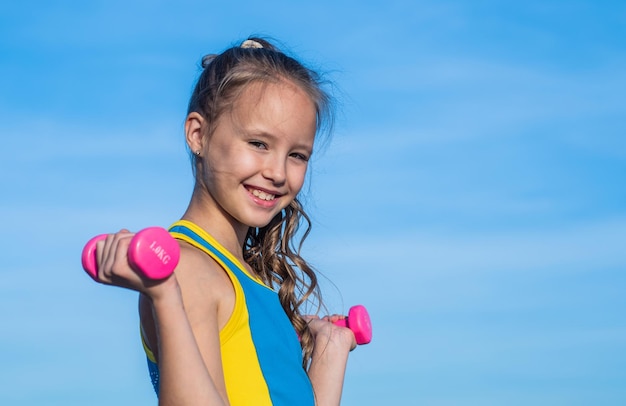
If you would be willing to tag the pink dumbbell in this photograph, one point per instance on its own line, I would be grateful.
(152, 251)
(358, 320)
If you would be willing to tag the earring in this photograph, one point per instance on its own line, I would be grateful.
(198, 153)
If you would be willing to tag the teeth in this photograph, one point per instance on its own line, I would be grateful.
(262, 195)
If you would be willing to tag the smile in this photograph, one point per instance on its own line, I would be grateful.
(262, 195)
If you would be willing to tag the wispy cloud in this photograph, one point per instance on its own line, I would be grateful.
(582, 246)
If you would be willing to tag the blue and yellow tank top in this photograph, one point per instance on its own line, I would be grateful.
(261, 355)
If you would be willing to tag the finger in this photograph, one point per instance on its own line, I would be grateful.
(114, 247)
(120, 255)
(103, 250)
(334, 317)
(110, 245)
(99, 257)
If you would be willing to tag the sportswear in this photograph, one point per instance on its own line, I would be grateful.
(261, 355)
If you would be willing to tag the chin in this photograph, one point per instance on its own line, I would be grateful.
(261, 221)
(259, 224)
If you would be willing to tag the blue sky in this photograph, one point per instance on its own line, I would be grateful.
(472, 196)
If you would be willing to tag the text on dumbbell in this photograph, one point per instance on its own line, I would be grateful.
(160, 252)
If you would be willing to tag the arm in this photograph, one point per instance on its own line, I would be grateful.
(329, 359)
(186, 379)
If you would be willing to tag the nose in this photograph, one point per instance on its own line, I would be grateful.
(275, 169)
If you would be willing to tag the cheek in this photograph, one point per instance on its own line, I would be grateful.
(297, 177)
(230, 160)
(244, 166)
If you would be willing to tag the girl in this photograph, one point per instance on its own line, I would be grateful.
(227, 327)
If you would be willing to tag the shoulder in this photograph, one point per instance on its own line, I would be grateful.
(208, 298)
(204, 284)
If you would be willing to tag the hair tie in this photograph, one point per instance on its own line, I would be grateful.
(207, 59)
(250, 43)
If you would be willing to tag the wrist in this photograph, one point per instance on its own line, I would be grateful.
(166, 293)
(333, 342)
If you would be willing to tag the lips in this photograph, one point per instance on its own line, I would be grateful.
(262, 195)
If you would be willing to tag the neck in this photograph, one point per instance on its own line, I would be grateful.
(206, 214)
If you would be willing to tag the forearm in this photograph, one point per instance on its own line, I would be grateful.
(329, 360)
(184, 378)
(327, 371)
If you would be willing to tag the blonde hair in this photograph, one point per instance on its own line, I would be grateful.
(272, 251)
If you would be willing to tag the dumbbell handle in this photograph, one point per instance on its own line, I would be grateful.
(152, 251)
(358, 320)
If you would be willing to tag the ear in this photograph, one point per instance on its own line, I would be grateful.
(194, 130)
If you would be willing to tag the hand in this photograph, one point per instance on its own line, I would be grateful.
(325, 332)
(332, 345)
(113, 266)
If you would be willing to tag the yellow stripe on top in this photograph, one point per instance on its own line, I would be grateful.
(146, 349)
(262, 336)
(244, 379)
(261, 354)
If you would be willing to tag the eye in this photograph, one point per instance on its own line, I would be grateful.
(258, 144)
(300, 156)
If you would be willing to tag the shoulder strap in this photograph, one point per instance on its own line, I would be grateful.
(189, 232)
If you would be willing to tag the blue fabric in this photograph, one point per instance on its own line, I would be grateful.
(274, 349)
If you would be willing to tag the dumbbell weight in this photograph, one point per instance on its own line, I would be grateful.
(152, 251)
(358, 320)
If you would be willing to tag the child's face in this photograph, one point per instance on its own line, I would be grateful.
(257, 156)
